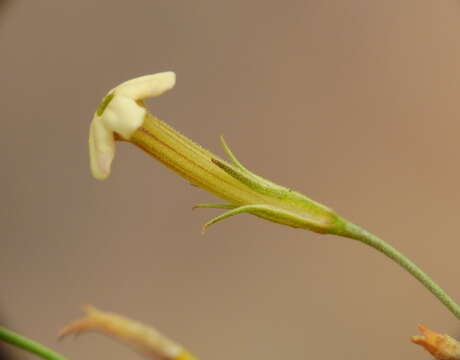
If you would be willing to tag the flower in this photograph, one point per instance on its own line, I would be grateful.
(123, 116)
(122, 112)
(144, 339)
(441, 346)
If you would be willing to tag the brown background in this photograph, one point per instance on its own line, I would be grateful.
(354, 103)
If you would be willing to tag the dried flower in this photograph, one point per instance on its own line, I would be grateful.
(142, 338)
(441, 346)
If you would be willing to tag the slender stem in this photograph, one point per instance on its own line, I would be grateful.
(28, 345)
(353, 231)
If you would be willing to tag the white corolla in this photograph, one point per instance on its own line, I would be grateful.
(122, 112)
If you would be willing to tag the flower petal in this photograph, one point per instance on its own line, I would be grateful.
(147, 86)
(123, 116)
(101, 149)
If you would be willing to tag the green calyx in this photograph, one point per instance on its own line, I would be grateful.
(244, 191)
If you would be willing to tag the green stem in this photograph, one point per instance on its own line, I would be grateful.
(28, 345)
(350, 230)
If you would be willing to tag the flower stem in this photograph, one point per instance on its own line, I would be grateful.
(352, 231)
(29, 345)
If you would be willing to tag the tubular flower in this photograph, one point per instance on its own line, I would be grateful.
(123, 116)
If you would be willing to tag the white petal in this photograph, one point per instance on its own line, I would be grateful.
(101, 149)
(123, 116)
(147, 86)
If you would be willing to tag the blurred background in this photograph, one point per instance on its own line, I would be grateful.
(354, 103)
